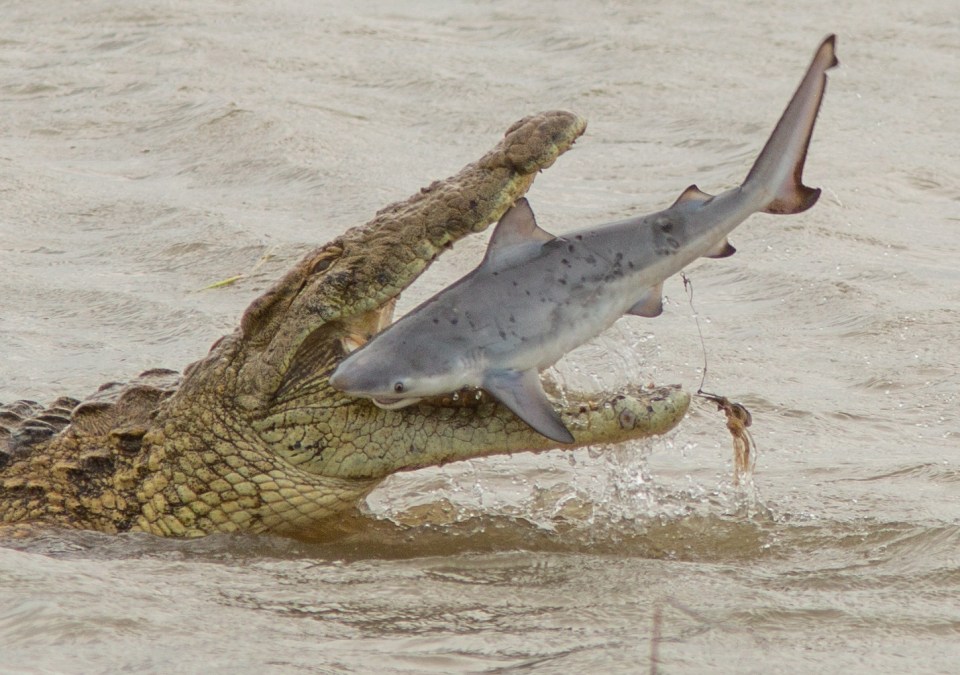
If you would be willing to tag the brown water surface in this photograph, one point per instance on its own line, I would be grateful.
(148, 150)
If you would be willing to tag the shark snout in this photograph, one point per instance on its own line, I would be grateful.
(342, 380)
(359, 377)
(337, 380)
(347, 377)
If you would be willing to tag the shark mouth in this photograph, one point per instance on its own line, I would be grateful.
(394, 403)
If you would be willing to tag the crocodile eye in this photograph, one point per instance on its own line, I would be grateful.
(398, 387)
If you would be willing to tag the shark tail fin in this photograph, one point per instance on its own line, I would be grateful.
(778, 171)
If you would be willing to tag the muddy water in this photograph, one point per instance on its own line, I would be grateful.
(148, 150)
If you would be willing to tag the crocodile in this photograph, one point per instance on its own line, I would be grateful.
(251, 438)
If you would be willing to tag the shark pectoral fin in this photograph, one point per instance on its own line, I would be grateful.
(522, 393)
(650, 304)
(723, 249)
(515, 232)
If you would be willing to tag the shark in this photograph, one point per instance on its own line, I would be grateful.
(536, 296)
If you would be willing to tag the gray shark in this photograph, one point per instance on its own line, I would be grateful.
(536, 296)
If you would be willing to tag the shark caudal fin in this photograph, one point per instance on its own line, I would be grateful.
(778, 171)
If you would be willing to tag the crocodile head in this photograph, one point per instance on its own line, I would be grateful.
(255, 439)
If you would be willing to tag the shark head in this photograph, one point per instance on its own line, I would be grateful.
(394, 378)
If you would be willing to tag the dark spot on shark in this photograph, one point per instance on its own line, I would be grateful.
(630, 264)
(590, 260)
(454, 322)
(666, 226)
(503, 334)
(515, 284)
(436, 320)
(579, 237)
(512, 319)
(563, 282)
(570, 247)
(565, 262)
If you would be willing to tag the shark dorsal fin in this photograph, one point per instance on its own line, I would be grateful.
(516, 231)
(692, 194)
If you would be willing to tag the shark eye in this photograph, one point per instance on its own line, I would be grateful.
(398, 387)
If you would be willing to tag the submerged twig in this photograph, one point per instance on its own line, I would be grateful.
(225, 282)
(229, 281)
(655, 637)
(704, 624)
